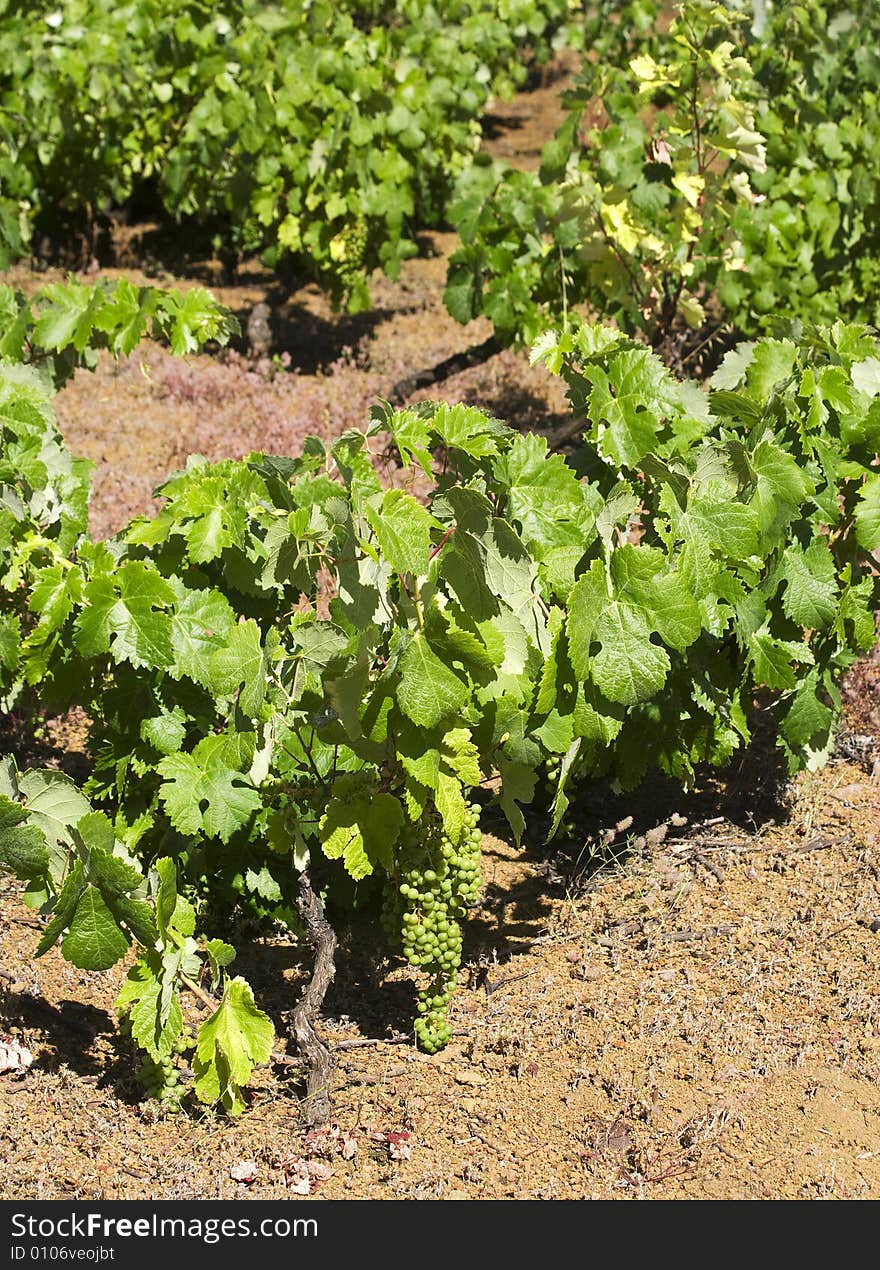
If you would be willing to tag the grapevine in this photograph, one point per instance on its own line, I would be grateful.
(251, 731)
(732, 181)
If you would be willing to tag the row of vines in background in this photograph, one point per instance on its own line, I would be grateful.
(721, 169)
(298, 681)
(324, 134)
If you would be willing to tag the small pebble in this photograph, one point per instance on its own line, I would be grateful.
(245, 1171)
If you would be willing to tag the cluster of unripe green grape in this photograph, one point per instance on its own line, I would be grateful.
(585, 766)
(551, 772)
(161, 1079)
(353, 248)
(422, 909)
(361, 780)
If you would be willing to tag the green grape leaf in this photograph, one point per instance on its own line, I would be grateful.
(867, 515)
(66, 316)
(556, 731)
(781, 485)
(107, 871)
(9, 778)
(175, 915)
(209, 506)
(55, 806)
(166, 894)
(627, 404)
(263, 883)
(511, 575)
(454, 643)
(119, 883)
(362, 832)
(241, 664)
(619, 508)
(22, 846)
(461, 756)
(450, 803)
(403, 530)
(194, 318)
(857, 609)
(428, 690)
(137, 916)
(412, 436)
(64, 909)
(202, 794)
(363, 590)
(866, 376)
(200, 624)
(808, 719)
(556, 673)
(771, 363)
(125, 313)
(544, 497)
(774, 659)
(110, 879)
(165, 731)
(560, 798)
(628, 667)
(724, 526)
(486, 561)
(155, 1015)
(125, 614)
(517, 786)
(220, 955)
(10, 642)
(595, 718)
(810, 597)
(321, 643)
(230, 1044)
(54, 593)
(610, 640)
(94, 940)
(468, 429)
(640, 576)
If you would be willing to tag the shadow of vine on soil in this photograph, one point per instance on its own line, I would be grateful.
(367, 993)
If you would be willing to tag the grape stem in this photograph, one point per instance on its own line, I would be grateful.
(211, 1002)
(317, 1106)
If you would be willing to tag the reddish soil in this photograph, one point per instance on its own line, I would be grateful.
(660, 1009)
